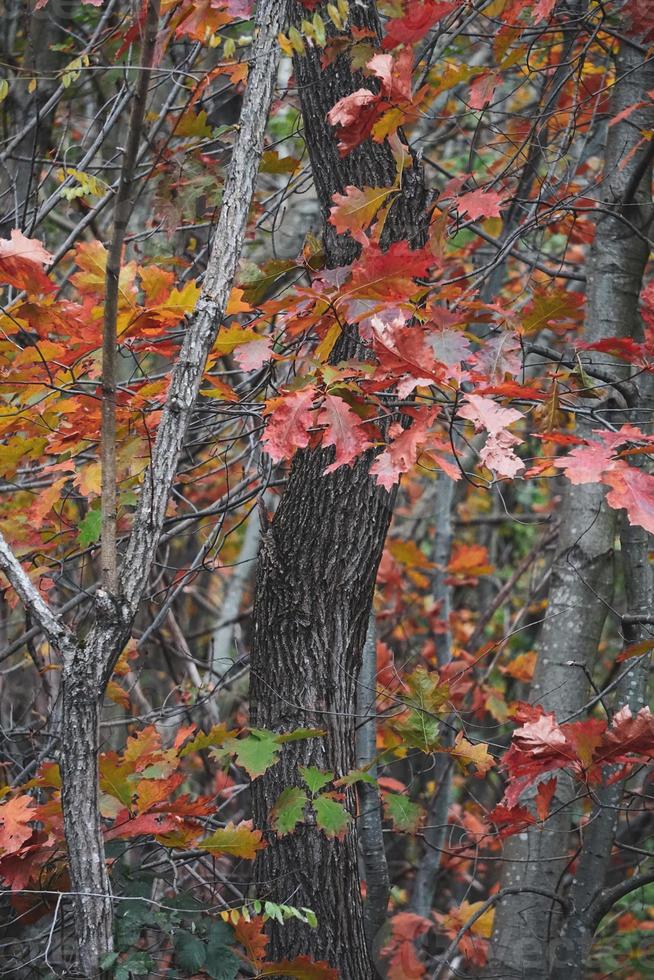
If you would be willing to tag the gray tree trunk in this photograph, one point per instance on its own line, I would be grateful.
(582, 578)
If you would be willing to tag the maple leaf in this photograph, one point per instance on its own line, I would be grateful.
(403, 354)
(343, 432)
(497, 453)
(301, 968)
(451, 348)
(390, 275)
(229, 338)
(400, 952)
(482, 91)
(355, 115)
(365, 113)
(586, 464)
(469, 560)
(15, 815)
(405, 815)
(554, 308)
(256, 753)
(126, 827)
(474, 943)
(240, 841)
(417, 20)
(22, 261)
(628, 734)
(480, 204)
(468, 754)
(510, 820)
(536, 747)
(288, 811)
(331, 816)
(252, 356)
(632, 489)
(354, 210)
(251, 936)
(289, 419)
(402, 451)
(544, 796)
(500, 355)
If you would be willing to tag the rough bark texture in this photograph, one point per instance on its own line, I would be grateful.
(370, 808)
(315, 581)
(582, 577)
(87, 666)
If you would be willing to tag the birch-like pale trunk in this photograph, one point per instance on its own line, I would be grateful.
(88, 663)
(526, 925)
(435, 833)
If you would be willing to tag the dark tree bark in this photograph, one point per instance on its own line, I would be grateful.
(316, 575)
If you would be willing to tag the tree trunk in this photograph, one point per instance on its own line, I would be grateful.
(582, 577)
(316, 575)
(93, 912)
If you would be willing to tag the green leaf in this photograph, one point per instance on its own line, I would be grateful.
(315, 778)
(108, 961)
(138, 964)
(419, 730)
(402, 812)
(221, 963)
(311, 917)
(288, 811)
(89, 529)
(299, 734)
(356, 776)
(239, 841)
(256, 753)
(224, 967)
(425, 691)
(274, 911)
(190, 952)
(331, 816)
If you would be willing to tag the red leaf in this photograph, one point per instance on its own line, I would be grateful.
(482, 90)
(289, 419)
(22, 261)
(544, 795)
(354, 210)
(252, 938)
(480, 204)
(343, 431)
(417, 20)
(15, 815)
(497, 454)
(402, 452)
(400, 951)
(302, 968)
(543, 9)
(355, 116)
(634, 490)
(628, 734)
(145, 823)
(510, 820)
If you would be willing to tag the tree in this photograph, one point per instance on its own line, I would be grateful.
(325, 514)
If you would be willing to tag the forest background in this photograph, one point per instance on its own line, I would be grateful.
(326, 491)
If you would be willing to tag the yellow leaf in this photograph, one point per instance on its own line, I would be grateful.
(229, 338)
(236, 303)
(326, 345)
